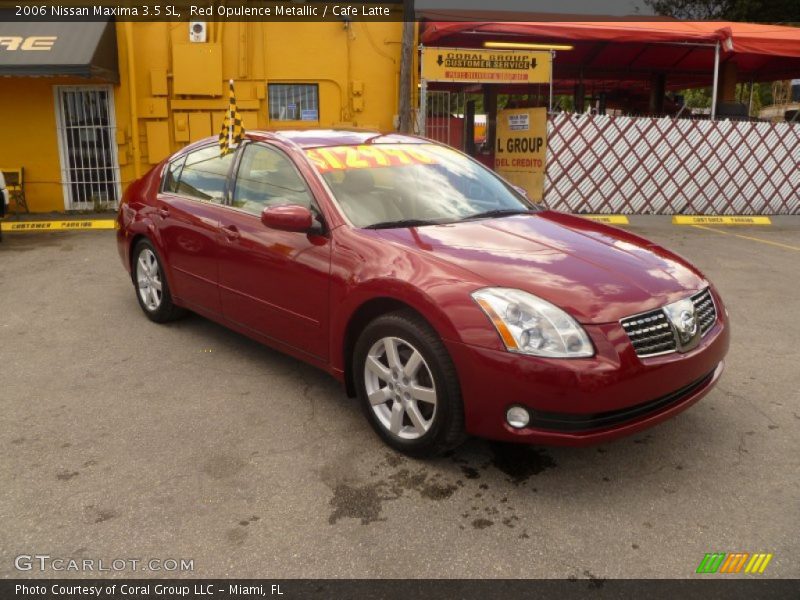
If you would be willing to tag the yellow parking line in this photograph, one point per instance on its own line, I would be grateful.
(747, 237)
(66, 225)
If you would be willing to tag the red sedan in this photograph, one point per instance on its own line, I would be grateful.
(435, 291)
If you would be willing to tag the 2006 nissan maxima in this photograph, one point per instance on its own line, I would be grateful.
(436, 292)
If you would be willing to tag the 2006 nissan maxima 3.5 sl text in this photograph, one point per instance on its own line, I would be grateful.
(435, 291)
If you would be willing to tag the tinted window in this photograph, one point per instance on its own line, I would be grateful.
(204, 173)
(172, 174)
(267, 177)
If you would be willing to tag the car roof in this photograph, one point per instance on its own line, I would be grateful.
(317, 138)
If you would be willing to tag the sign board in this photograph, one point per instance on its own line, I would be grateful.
(478, 65)
(521, 147)
(610, 219)
(519, 122)
(715, 220)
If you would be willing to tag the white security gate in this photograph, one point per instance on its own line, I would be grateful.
(87, 145)
(437, 117)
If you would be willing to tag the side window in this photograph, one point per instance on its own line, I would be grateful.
(172, 174)
(204, 173)
(267, 177)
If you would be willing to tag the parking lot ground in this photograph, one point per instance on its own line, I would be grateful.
(125, 439)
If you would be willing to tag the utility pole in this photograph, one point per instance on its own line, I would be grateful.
(406, 67)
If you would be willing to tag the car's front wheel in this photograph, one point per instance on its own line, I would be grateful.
(152, 290)
(408, 386)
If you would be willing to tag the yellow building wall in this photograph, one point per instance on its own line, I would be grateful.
(356, 67)
(29, 138)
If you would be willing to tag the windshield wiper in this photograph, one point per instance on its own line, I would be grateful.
(502, 212)
(400, 223)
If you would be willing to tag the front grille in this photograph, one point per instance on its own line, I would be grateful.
(705, 311)
(650, 333)
(587, 422)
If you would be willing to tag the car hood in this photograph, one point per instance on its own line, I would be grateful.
(597, 273)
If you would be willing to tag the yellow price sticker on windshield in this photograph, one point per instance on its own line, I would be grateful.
(339, 158)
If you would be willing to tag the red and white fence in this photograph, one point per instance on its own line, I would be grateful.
(601, 164)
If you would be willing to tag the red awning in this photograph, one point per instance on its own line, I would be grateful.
(635, 50)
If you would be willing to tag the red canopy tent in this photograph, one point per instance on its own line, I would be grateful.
(630, 51)
(607, 162)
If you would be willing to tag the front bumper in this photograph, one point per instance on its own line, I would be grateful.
(584, 401)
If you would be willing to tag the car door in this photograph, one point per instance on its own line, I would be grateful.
(274, 282)
(188, 211)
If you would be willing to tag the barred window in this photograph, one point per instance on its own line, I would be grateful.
(293, 101)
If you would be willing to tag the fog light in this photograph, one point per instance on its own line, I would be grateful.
(517, 417)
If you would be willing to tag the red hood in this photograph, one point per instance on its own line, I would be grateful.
(596, 273)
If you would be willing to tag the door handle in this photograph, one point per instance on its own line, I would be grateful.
(163, 212)
(231, 232)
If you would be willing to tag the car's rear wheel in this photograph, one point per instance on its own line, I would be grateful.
(152, 290)
(408, 386)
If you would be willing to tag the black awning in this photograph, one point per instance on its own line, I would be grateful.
(42, 49)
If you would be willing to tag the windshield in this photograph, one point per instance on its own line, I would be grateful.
(402, 185)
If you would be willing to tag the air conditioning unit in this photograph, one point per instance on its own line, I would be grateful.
(198, 31)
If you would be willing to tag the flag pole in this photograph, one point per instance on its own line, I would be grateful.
(230, 114)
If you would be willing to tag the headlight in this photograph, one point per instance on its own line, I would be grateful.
(530, 325)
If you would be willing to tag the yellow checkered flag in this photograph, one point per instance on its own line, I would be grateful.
(232, 132)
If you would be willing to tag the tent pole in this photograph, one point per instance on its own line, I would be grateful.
(552, 60)
(716, 83)
(750, 109)
(423, 107)
(423, 94)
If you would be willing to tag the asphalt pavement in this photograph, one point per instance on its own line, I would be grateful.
(122, 439)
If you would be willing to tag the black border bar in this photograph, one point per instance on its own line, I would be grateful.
(708, 587)
(287, 11)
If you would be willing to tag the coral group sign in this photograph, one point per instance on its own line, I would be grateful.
(475, 65)
(521, 147)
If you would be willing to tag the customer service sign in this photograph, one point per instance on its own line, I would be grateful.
(474, 65)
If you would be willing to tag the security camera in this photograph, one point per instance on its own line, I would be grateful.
(198, 31)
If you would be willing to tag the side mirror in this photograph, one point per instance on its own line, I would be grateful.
(288, 217)
(520, 190)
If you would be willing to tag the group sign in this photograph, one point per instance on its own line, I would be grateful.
(521, 134)
(521, 147)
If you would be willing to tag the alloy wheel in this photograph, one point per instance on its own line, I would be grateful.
(400, 388)
(148, 280)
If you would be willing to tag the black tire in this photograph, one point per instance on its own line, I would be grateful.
(165, 310)
(446, 429)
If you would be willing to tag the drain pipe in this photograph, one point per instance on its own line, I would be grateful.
(137, 169)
